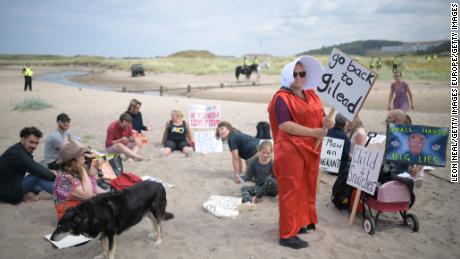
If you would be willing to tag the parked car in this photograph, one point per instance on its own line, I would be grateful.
(137, 69)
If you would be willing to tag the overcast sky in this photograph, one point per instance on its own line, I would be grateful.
(149, 28)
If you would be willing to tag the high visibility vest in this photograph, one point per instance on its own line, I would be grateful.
(255, 62)
(28, 71)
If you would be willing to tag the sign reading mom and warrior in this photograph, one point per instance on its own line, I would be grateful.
(416, 144)
(345, 84)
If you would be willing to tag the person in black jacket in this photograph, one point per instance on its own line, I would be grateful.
(338, 132)
(133, 110)
(15, 162)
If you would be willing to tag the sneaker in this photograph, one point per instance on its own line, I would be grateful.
(293, 242)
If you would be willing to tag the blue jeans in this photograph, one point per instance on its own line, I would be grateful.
(35, 184)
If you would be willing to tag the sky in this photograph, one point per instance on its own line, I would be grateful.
(150, 28)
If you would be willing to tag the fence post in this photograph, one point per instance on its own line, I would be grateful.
(161, 90)
(189, 88)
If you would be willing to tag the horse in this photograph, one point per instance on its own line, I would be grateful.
(250, 69)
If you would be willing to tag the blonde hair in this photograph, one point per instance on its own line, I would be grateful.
(265, 144)
(178, 114)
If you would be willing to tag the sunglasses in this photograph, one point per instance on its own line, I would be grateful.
(301, 74)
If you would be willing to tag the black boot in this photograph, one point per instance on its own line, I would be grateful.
(302, 230)
(293, 242)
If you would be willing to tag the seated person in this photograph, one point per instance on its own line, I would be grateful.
(134, 110)
(262, 170)
(177, 135)
(74, 181)
(56, 139)
(356, 133)
(120, 139)
(242, 146)
(338, 132)
(15, 162)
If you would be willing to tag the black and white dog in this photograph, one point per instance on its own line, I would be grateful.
(109, 214)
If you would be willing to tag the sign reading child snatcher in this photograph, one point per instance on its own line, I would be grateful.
(331, 154)
(365, 169)
(415, 144)
(345, 84)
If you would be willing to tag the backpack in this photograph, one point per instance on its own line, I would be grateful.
(263, 130)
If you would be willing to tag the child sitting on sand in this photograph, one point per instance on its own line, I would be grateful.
(262, 170)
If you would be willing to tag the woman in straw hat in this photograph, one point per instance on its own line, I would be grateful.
(73, 182)
(297, 121)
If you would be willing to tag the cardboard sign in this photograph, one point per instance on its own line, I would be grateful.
(331, 154)
(206, 142)
(204, 116)
(416, 144)
(345, 84)
(365, 169)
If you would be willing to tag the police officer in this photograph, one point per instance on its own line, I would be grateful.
(27, 71)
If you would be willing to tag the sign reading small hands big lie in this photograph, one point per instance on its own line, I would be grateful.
(345, 84)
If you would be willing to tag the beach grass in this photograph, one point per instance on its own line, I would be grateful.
(31, 103)
(414, 67)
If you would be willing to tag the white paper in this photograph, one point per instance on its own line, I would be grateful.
(68, 241)
(206, 142)
(379, 139)
(222, 206)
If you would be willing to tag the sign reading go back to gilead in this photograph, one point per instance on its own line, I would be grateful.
(345, 84)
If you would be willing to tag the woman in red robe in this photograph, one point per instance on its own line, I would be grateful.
(296, 118)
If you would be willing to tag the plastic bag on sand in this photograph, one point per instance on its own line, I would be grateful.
(222, 206)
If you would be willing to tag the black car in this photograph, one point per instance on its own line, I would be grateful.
(137, 69)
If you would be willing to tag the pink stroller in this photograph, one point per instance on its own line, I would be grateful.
(392, 196)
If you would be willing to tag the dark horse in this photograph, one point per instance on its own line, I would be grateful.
(248, 71)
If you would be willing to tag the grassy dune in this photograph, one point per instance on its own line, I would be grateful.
(413, 67)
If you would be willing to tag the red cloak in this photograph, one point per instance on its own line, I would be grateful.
(296, 162)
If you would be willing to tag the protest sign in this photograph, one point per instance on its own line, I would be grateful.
(331, 154)
(416, 144)
(365, 169)
(204, 116)
(345, 84)
(206, 142)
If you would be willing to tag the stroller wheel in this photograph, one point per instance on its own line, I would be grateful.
(412, 222)
(369, 225)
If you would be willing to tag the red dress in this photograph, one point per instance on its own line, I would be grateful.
(296, 162)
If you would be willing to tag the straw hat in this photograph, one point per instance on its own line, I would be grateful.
(311, 65)
(71, 151)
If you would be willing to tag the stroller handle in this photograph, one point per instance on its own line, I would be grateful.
(370, 135)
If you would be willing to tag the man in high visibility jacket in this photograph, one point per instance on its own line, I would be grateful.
(27, 71)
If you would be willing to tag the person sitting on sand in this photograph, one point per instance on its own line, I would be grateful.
(15, 162)
(262, 170)
(242, 146)
(120, 139)
(74, 181)
(134, 110)
(56, 140)
(177, 135)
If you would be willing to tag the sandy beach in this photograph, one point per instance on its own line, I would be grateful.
(194, 233)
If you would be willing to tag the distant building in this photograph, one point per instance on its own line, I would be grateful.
(411, 47)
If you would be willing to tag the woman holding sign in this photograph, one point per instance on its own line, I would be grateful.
(297, 119)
